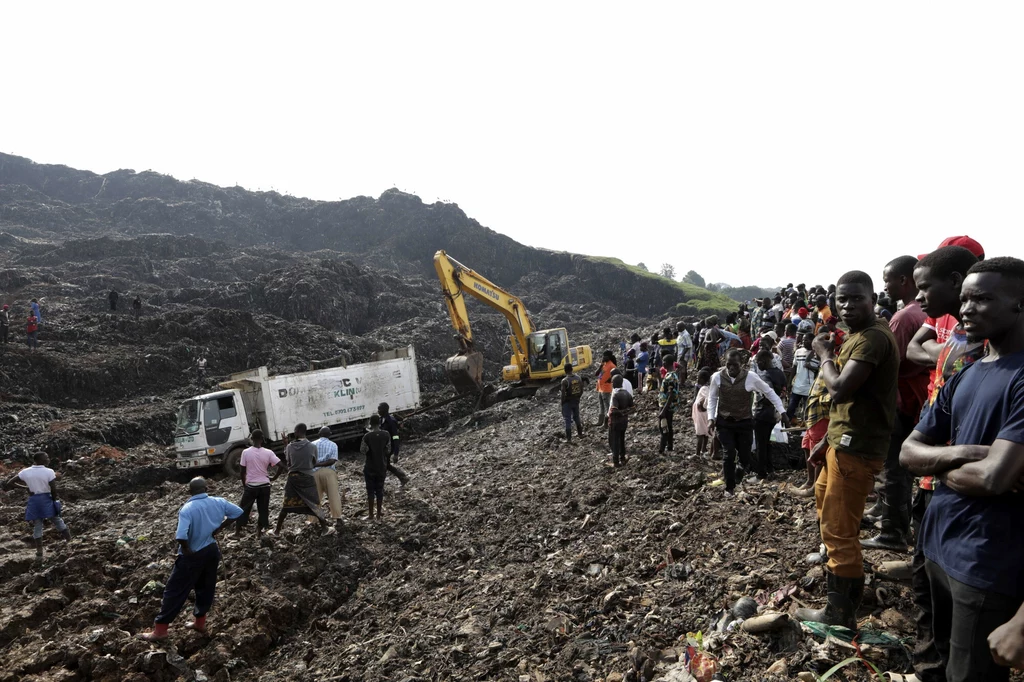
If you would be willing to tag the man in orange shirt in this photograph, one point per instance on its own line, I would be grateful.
(604, 386)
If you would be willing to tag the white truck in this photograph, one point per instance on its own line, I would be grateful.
(212, 429)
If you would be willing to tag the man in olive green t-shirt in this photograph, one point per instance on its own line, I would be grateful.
(862, 383)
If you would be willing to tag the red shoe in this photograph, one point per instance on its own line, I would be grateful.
(199, 625)
(158, 634)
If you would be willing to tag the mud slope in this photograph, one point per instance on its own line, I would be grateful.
(511, 556)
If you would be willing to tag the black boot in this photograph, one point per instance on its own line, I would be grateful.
(568, 434)
(844, 596)
(579, 431)
(890, 538)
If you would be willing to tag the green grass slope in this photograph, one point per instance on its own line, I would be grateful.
(693, 300)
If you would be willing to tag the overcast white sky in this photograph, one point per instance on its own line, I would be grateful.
(754, 142)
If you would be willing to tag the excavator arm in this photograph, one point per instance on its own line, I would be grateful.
(541, 363)
(458, 281)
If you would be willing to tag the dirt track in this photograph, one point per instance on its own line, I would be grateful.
(511, 556)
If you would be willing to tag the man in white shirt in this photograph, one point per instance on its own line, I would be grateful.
(730, 411)
(43, 504)
(684, 348)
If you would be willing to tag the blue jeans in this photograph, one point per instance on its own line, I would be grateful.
(571, 413)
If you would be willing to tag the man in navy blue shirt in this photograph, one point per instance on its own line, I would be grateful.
(972, 439)
(199, 520)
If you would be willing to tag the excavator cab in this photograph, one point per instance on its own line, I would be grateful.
(548, 349)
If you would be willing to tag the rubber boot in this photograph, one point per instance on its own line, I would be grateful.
(579, 431)
(199, 624)
(891, 538)
(844, 596)
(568, 435)
(66, 534)
(159, 633)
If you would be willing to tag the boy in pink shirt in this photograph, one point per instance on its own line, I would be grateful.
(256, 483)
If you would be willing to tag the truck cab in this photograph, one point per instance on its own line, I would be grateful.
(209, 428)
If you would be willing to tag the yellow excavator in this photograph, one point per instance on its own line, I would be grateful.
(538, 357)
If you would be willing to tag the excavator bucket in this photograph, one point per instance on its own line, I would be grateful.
(466, 372)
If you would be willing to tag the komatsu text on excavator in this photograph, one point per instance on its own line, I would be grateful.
(538, 357)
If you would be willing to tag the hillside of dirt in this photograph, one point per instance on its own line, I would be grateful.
(396, 232)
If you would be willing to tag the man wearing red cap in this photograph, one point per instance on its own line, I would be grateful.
(925, 346)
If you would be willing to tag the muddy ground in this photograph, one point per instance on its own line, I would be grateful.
(511, 555)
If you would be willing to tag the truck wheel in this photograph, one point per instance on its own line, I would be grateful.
(233, 462)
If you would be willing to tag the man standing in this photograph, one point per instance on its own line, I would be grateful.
(255, 462)
(938, 276)
(5, 323)
(684, 349)
(572, 391)
(668, 398)
(389, 424)
(757, 316)
(32, 330)
(821, 303)
(300, 494)
(604, 386)
(912, 387)
(862, 383)
(765, 416)
(729, 411)
(43, 504)
(972, 439)
(618, 420)
(376, 446)
(137, 307)
(195, 568)
(787, 350)
(112, 297)
(325, 474)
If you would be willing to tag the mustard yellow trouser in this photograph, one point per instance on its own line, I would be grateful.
(327, 482)
(840, 492)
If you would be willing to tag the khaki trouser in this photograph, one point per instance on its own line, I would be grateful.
(327, 482)
(840, 492)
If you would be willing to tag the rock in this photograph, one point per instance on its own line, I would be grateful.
(806, 677)
(495, 646)
(613, 677)
(744, 608)
(779, 667)
(390, 654)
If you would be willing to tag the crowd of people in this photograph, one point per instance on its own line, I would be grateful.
(920, 383)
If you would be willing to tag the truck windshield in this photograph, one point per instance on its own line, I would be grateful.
(188, 417)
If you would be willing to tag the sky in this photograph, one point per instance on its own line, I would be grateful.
(755, 143)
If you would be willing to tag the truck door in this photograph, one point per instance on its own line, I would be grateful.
(220, 418)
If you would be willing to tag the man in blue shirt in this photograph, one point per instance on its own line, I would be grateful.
(325, 474)
(972, 440)
(199, 520)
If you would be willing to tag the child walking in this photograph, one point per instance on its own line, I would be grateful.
(700, 411)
